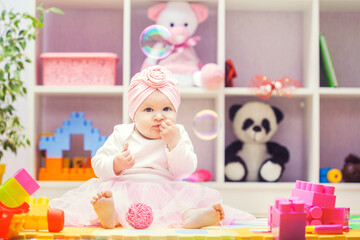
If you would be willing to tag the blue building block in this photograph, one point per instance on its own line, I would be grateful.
(323, 175)
(77, 124)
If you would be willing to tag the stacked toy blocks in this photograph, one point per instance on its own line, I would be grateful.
(17, 189)
(42, 217)
(11, 219)
(320, 204)
(19, 211)
(287, 219)
(14, 194)
(310, 204)
(55, 145)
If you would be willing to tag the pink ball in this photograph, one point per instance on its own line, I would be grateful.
(139, 216)
(212, 76)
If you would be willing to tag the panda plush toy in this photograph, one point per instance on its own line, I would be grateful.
(253, 157)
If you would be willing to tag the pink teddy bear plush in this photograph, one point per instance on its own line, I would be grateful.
(182, 19)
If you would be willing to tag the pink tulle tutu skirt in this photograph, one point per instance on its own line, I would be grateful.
(167, 199)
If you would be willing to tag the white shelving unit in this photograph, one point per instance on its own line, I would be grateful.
(270, 37)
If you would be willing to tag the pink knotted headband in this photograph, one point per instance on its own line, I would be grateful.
(149, 80)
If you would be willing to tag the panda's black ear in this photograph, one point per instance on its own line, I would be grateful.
(233, 110)
(279, 115)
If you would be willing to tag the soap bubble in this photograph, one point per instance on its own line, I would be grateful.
(155, 42)
(206, 124)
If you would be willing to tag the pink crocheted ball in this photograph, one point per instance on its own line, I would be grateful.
(139, 216)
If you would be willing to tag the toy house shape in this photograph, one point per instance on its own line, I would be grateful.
(55, 145)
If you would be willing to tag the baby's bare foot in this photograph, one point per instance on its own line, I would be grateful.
(104, 207)
(220, 210)
(203, 217)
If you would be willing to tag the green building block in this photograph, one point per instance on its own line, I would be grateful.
(12, 194)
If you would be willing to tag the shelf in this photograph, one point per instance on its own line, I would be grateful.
(339, 6)
(196, 92)
(339, 92)
(265, 5)
(79, 90)
(88, 4)
(243, 91)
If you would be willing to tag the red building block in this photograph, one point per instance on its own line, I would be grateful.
(6, 216)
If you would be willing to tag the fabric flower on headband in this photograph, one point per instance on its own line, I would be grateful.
(157, 76)
(263, 86)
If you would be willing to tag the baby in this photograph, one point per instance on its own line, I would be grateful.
(145, 161)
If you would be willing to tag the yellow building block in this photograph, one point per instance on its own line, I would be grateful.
(66, 162)
(16, 225)
(36, 219)
(12, 194)
(78, 162)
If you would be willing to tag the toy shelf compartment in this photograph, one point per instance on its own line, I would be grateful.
(294, 121)
(338, 135)
(270, 39)
(53, 110)
(339, 110)
(90, 27)
(205, 148)
(339, 23)
(206, 49)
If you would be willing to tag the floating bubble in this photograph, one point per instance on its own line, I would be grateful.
(206, 124)
(155, 42)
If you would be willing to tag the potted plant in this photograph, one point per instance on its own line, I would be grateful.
(16, 31)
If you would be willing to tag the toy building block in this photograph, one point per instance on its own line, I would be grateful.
(315, 194)
(323, 175)
(336, 216)
(53, 170)
(6, 217)
(42, 217)
(55, 145)
(78, 162)
(288, 219)
(18, 189)
(93, 141)
(66, 162)
(320, 216)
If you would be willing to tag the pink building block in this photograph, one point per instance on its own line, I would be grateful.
(288, 219)
(314, 194)
(26, 181)
(336, 216)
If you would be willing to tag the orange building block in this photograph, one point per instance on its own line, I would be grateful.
(54, 171)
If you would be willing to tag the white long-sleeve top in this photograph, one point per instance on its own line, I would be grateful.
(153, 161)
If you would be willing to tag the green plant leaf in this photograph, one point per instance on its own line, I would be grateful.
(17, 29)
(3, 14)
(56, 10)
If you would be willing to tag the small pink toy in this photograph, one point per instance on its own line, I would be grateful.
(139, 216)
(201, 175)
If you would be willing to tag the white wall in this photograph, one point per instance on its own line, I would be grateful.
(15, 162)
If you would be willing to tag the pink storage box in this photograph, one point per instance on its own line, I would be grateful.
(79, 68)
